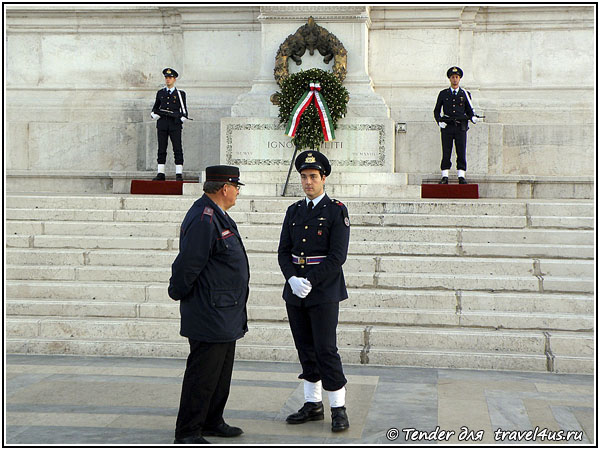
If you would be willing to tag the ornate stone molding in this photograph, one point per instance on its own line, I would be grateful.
(311, 37)
(329, 13)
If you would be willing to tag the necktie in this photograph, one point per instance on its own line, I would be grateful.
(310, 205)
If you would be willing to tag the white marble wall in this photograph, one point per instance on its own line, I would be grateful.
(81, 79)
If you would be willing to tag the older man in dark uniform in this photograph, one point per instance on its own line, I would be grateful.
(170, 109)
(312, 248)
(458, 110)
(210, 278)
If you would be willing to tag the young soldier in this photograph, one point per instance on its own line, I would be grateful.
(458, 110)
(312, 248)
(170, 108)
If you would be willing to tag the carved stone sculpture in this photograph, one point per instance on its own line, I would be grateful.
(310, 37)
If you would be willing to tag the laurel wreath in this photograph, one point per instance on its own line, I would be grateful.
(309, 133)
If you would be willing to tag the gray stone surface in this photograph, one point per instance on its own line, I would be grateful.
(75, 400)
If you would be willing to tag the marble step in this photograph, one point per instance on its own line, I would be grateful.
(271, 218)
(146, 294)
(349, 314)
(464, 236)
(405, 357)
(354, 263)
(270, 246)
(349, 335)
(398, 280)
(481, 207)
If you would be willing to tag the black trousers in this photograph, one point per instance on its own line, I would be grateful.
(163, 139)
(453, 134)
(205, 387)
(314, 332)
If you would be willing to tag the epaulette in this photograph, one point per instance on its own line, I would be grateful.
(344, 211)
(208, 213)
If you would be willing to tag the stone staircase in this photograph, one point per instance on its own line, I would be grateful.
(480, 284)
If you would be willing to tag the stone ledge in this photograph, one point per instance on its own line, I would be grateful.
(490, 186)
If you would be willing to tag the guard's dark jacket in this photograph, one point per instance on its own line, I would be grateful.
(210, 275)
(455, 106)
(169, 102)
(325, 231)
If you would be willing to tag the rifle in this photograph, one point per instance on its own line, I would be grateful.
(174, 114)
(458, 120)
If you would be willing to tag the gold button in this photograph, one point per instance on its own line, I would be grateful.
(302, 267)
(301, 253)
(303, 240)
(294, 223)
(306, 227)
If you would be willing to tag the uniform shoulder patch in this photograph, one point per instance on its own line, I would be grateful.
(208, 213)
(344, 211)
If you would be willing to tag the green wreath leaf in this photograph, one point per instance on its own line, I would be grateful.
(309, 133)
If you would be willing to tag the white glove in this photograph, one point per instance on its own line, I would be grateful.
(442, 124)
(154, 116)
(183, 119)
(300, 286)
(475, 119)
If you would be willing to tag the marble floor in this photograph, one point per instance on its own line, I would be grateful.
(77, 400)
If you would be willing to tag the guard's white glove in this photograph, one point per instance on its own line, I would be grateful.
(442, 124)
(154, 116)
(183, 119)
(475, 119)
(300, 286)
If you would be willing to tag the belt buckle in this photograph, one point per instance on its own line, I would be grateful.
(301, 260)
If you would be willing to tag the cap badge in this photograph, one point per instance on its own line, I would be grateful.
(168, 71)
(310, 159)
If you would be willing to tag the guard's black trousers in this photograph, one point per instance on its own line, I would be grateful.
(205, 387)
(314, 332)
(163, 140)
(453, 134)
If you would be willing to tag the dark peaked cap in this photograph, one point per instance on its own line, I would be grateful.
(225, 174)
(168, 72)
(312, 159)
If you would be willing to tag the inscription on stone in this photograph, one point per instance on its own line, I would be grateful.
(360, 145)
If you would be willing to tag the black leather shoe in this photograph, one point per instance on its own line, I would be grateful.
(339, 419)
(444, 180)
(222, 430)
(191, 440)
(178, 177)
(309, 411)
(159, 177)
(461, 180)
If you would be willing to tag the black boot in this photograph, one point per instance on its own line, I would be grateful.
(444, 180)
(310, 411)
(159, 177)
(461, 180)
(339, 419)
(191, 440)
(179, 177)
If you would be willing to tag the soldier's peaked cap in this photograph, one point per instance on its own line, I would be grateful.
(225, 174)
(454, 70)
(312, 159)
(168, 72)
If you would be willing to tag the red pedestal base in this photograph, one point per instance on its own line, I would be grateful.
(449, 191)
(158, 187)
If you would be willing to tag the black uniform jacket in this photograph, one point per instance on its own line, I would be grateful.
(455, 106)
(210, 275)
(169, 102)
(325, 231)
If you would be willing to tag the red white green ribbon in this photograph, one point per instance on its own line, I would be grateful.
(322, 109)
